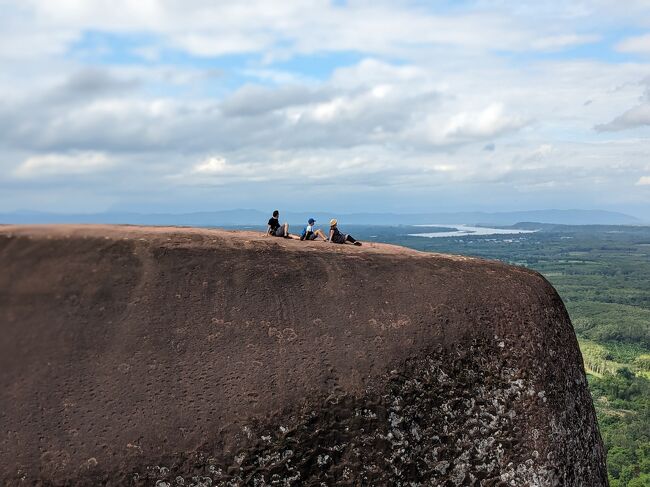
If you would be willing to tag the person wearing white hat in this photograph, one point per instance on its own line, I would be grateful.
(337, 237)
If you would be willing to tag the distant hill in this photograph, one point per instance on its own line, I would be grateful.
(257, 217)
(567, 217)
(581, 229)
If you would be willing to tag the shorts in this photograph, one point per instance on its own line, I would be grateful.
(311, 236)
(279, 232)
(339, 239)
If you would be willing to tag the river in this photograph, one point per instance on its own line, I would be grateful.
(467, 231)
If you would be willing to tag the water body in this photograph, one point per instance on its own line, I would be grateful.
(467, 231)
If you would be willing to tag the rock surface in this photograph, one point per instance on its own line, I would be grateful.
(177, 356)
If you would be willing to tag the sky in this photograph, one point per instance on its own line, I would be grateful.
(197, 105)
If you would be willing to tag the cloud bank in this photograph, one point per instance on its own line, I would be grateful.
(386, 105)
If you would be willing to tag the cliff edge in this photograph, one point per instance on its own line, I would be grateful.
(178, 356)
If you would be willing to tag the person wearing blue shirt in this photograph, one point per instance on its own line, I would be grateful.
(311, 233)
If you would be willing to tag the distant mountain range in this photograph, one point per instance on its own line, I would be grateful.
(256, 217)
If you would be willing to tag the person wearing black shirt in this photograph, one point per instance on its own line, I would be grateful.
(274, 227)
(337, 237)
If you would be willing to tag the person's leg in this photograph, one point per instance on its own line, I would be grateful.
(286, 234)
(285, 228)
(319, 233)
(350, 238)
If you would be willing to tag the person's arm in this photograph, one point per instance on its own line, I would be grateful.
(331, 234)
(268, 230)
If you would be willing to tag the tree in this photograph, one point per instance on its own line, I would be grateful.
(642, 480)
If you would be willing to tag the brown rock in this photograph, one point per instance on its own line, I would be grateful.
(178, 356)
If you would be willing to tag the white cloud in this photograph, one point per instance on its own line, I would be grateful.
(212, 165)
(372, 71)
(488, 122)
(216, 44)
(463, 126)
(277, 29)
(419, 98)
(634, 117)
(557, 42)
(637, 44)
(62, 164)
(219, 167)
(293, 167)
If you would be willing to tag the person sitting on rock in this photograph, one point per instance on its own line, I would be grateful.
(274, 227)
(309, 233)
(337, 237)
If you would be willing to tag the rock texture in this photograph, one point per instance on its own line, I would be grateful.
(177, 357)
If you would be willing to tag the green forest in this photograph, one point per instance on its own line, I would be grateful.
(603, 275)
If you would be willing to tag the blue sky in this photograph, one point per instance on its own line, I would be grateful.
(343, 106)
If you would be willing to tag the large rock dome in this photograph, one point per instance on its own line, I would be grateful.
(178, 356)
